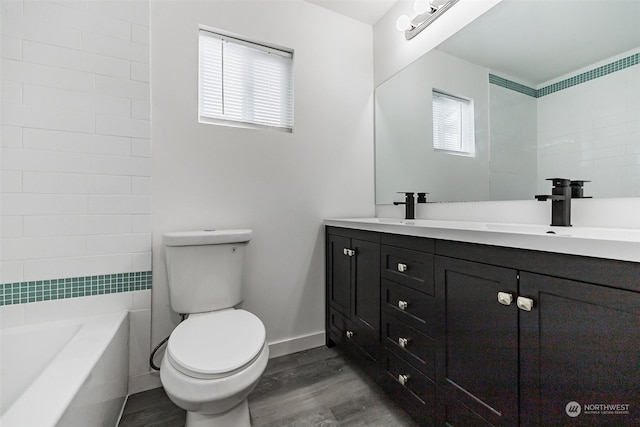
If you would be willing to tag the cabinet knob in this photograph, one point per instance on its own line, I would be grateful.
(403, 379)
(403, 342)
(524, 303)
(348, 252)
(349, 334)
(402, 267)
(505, 298)
(402, 305)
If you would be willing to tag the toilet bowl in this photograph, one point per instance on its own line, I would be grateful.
(212, 362)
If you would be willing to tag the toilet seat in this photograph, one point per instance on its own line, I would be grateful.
(216, 344)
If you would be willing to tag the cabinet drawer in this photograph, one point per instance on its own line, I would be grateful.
(417, 394)
(406, 342)
(412, 307)
(408, 267)
(343, 330)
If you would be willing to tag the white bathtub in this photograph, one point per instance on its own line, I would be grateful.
(65, 373)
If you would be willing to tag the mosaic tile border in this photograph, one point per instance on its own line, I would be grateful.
(73, 287)
(597, 72)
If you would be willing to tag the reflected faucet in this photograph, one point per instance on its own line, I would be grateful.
(410, 203)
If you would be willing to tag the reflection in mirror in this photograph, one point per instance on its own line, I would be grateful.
(555, 92)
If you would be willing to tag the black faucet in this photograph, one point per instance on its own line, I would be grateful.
(577, 191)
(560, 202)
(410, 203)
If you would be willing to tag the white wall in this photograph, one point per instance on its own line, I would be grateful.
(392, 53)
(75, 160)
(280, 185)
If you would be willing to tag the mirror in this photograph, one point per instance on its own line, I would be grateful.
(555, 87)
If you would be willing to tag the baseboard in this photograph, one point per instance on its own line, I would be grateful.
(293, 345)
(144, 382)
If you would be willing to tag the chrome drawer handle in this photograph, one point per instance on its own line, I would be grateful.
(403, 342)
(349, 334)
(402, 267)
(505, 298)
(402, 305)
(524, 303)
(403, 379)
(348, 252)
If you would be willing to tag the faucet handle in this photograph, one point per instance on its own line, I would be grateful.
(577, 192)
(560, 182)
(422, 197)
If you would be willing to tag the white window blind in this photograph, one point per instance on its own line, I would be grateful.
(245, 84)
(453, 127)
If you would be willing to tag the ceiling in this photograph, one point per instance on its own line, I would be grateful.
(367, 11)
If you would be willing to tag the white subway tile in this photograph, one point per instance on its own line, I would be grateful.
(11, 93)
(11, 181)
(25, 72)
(119, 165)
(140, 147)
(120, 204)
(44, 118)
(74, 59)
(11, 10)
(10, 226)
(109, 184)
(122, 126)
(109, 224)
(24, 248)
(141, 185)
(11, 271)
(11, 316)
(141, 224)
(140, 33)
(60, 99)
(140, 72)
(55, 225)
(140, 109)
(11, 137)
(124, 88)
(131, 11)
(43, 204)
(44, 161)
(112, 47)
(142, 261)
(55, 183)
(10, 47)
(118, 243)
(69, 308)
(44, 139)
(48, 31)
(139, 341)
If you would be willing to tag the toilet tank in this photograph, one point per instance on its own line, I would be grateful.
(204, 269)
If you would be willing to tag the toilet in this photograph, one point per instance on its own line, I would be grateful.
(215, 357)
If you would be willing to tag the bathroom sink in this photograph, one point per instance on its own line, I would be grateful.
(575, 232)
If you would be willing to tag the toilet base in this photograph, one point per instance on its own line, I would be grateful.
(238, 416)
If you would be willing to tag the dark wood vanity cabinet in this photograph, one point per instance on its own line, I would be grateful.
(477, 335)
(353, 292)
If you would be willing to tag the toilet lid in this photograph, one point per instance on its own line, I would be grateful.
(216, 344)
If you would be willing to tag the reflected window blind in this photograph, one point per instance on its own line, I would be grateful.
(453, 128)
(243, 83)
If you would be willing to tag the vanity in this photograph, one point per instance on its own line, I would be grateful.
(476, 324)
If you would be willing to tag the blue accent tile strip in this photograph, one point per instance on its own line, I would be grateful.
(73, 287)
(601, 71)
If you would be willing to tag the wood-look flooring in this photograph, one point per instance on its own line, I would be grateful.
(311, 388)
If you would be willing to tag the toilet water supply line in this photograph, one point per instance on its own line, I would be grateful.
(155, 350)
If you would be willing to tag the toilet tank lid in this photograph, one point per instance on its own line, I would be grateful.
(205, 237)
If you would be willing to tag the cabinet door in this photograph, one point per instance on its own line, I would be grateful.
(365, 301)
(339, 273)
(580, 351)
(479, 346)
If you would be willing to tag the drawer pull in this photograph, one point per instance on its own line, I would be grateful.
(403, 342)
(348, 252)
(402, 305)
(403, 379)
(402, 267)
(505, 298)
(525, 304)
(349, 334)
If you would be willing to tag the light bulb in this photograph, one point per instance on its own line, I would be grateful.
(421, 6)
(403, 23)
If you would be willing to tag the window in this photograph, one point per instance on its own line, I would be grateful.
(453, 129)
(244, 84)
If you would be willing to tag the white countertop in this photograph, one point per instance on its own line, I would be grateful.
(611, 243)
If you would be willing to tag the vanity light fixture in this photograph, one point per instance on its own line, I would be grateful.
(426, 11)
